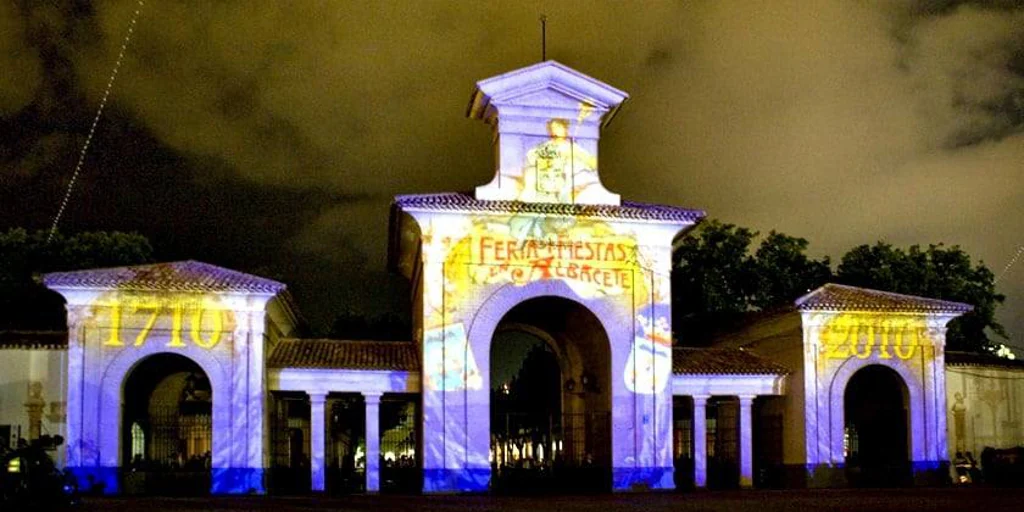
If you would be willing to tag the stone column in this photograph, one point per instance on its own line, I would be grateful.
(317, 432)
(372, 441)
(746, 443)
(34, 407)
(700, 441)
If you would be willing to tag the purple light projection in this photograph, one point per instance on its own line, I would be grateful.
(478, 262)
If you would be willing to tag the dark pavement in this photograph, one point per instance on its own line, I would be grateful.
(946, 499)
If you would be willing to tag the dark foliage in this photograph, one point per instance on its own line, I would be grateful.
(25, 304)
(938, 272)
(716, 280)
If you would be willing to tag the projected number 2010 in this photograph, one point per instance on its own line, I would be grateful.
(181, 315)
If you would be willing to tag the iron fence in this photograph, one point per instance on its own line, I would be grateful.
(551, 453)
(171, 451)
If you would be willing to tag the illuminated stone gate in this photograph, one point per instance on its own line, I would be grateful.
(543, 227)
(848, 330)
(830, 337)
(222, 320)
(543, 246)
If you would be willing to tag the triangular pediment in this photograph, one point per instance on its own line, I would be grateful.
(548, 85)
(552, 95)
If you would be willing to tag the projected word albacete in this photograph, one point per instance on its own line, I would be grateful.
(858, 336)
(181, 318)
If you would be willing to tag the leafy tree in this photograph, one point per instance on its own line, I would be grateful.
(784, 272)
(939, 272)
(27, 304)
(716, 279)
(712, 270)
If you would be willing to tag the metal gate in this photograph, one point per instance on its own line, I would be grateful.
(400, 467)
(172, 450)
(346, 432)
(289, 434)
(723, 469)
(551, 453)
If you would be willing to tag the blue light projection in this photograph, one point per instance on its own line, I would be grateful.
(475, 266)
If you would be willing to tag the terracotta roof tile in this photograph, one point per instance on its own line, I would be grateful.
(723, 361)
(841, 297)
(34, 340)
(465, 203)
(349, 355)
(183, 276)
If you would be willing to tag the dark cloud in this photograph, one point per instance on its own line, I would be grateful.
(277, 132)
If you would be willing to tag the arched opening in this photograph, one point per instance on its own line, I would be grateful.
(877, 434)
(167, 429)
(550, 399)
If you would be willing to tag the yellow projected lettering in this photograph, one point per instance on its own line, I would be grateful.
(147, 315)
(602, 264)
(196, 332)
(176, 326)
(150, 321)
(861, 336)
(114, 340)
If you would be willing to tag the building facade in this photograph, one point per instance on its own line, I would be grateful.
(188, 368)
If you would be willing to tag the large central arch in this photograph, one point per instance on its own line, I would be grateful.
(556, 426)
(640, 447)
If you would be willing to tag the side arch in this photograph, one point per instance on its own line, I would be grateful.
(915, 404)
(111, 404)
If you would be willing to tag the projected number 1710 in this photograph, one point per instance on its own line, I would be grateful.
(180, 312)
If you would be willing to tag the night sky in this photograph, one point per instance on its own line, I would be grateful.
(270, 136)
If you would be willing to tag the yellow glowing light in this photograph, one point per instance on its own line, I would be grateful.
(861, 335)
(144, 315)
(14, 465)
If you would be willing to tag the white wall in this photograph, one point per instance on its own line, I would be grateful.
(19, 367)
(984, 407)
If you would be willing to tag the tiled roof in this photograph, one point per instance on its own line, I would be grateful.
(841, 297)
(182, 276)
(723, 361)
(347, 355)
(954, 358)
(34, 340)
(464, 202)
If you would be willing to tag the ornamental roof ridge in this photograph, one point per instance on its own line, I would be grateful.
(180, 276)
(833, 296)
(463, 202)
(323, 353)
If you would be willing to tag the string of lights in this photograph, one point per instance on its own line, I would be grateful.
(95, 122)
(1013, 260)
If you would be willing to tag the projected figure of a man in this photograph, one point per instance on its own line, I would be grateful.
(553, 166)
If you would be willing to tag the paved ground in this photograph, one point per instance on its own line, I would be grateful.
(860, 500)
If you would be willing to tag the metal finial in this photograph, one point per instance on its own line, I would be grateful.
(543, 37)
